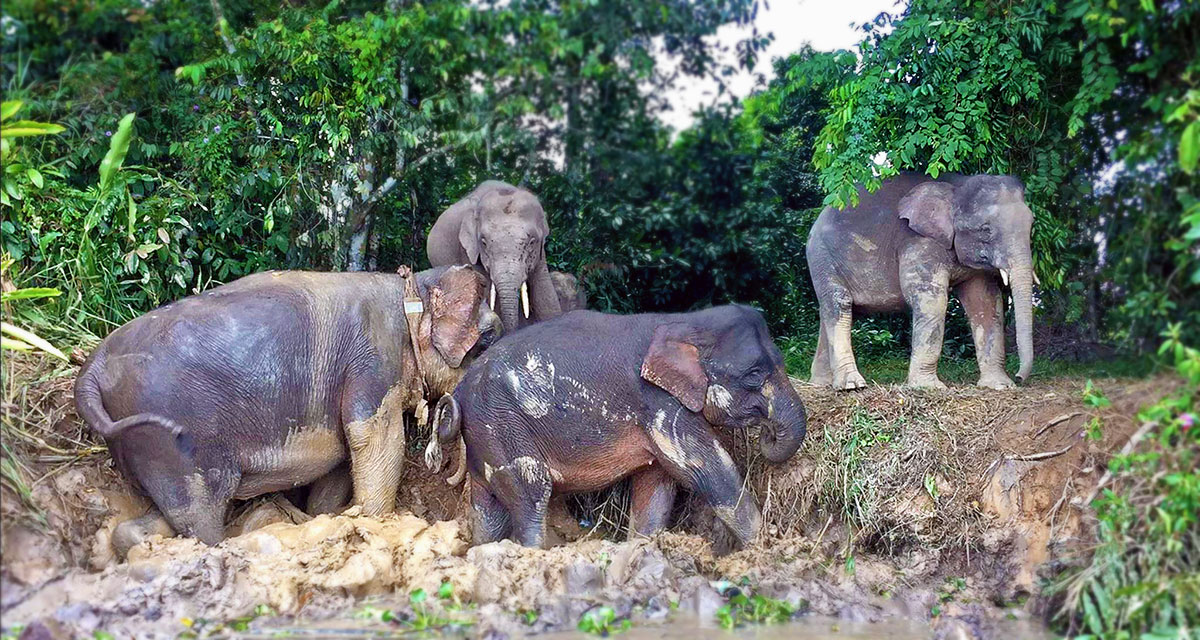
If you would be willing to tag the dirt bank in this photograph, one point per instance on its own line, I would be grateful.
(939, 507)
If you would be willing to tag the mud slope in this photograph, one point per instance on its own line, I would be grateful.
(901, 504)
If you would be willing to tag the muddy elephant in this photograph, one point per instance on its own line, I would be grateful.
(272, 381)
(501, 230)
(570, 292)
(579, 402)
(906, 246)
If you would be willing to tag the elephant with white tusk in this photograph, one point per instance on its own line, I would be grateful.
(500, 230)
(907, 245)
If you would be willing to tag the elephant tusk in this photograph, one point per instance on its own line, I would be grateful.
(525, 299)
(1004, 276)
(1035, 278)
(492, 298)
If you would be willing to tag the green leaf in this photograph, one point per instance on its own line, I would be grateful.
(118, 146)
(15, 345)
(9, 108)
(31, 338)
(132, 220)
(26, 128)
(1189, 147)
(29, 294)
(35, 177)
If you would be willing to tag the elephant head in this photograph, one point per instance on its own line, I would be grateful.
(506, 233)
(985, 221)
(725, 366)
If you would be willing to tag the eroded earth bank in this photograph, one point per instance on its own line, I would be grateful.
(945, 509)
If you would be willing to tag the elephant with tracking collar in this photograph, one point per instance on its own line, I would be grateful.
(907, 246)
(501, 230)
(576, 403)
(273, 381)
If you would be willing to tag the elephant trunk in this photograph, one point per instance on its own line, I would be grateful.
(786, 424)
(1022, 295)
(507, 280)
(508, 299)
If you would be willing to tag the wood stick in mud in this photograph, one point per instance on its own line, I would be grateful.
(1056, 421)
(1045, 455)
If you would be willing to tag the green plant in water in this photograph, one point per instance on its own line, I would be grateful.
(603, 622)
(743, 609)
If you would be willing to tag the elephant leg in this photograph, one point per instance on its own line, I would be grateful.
(523, 486)
(653, 492)
(375, 436)
(926, 294)
(489, 518)
(983, 301)
(821, 373)
(837, 319)
(331, 492)
(691, 454)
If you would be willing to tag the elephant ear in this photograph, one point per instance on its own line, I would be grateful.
(929, 210)
(468, 231)
(673, 364)
(454, 310)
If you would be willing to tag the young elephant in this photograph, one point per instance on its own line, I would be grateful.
(577, 403)
(570, 291)
(270, 382)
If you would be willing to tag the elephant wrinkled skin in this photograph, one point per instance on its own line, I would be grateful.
(501, 230)
(273, 381)
(907, 245)
(579, 402)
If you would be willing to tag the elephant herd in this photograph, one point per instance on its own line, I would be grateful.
(289, 379)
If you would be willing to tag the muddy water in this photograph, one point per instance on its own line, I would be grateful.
(810, 628)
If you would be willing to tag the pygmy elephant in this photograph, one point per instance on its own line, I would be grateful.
(272, 381)
(501, 230)
(570, 292)
(579, 402)
(908, 244)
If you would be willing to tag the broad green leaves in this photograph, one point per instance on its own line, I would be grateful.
(1189, 147)
(117, 148)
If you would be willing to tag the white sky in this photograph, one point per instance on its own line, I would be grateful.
(825, 24)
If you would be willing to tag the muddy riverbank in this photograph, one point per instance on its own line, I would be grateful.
(945, 510)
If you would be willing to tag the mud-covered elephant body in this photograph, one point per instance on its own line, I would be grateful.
(272, 381)
(501, 230)
(576, 403)
(907, 246)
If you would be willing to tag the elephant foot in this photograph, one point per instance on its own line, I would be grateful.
(821, 380)
(996, 381)
(849, 381)
(925, 382)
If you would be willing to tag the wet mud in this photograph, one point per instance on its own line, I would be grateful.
(968, 499)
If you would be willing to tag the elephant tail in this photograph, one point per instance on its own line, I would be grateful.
(90, 405)
(447, 427)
